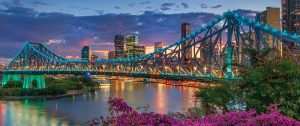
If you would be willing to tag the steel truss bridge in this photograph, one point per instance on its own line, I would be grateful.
(206, 54)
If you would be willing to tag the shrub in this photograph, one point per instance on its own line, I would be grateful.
(124, 115)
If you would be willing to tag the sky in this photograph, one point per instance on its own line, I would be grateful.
(67, 25)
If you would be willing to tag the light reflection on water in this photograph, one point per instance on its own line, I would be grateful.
(76, 110)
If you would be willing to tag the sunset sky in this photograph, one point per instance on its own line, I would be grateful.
(67, 25)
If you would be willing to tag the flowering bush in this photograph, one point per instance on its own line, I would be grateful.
(124, 115)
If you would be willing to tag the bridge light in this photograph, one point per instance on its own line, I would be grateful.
(243, 17)
(295, 36)
(88, 74)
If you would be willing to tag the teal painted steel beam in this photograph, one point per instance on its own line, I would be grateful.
(229, 48)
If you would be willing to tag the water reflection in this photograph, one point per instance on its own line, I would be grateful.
(77, 109)
(28, 113)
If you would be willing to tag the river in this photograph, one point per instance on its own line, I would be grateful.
(76, 110)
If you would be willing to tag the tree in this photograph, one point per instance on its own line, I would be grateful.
(277, 82)
(13, 84)
(216, 98)
(267, 80)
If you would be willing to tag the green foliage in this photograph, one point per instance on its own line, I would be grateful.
(87, 81)
(55, 89)
(268, 80)
(31, 91)
(54, 86)
(277, 82)
(195, 112)
(13, 84)
(216, 97)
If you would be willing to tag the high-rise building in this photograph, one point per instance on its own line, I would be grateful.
(291, 19)
(131, 41)
(86, 53)
(271, 17)
(185, 31)
(119, 46)
(94, 58)
(158, 45)
(138, 50)
(111, 55)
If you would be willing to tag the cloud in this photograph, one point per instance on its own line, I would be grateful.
(39, 3)
(4, 61)
(69, 33)
(217, 6)
(203, 6)
(11, 4)
(18, 11)
(145, 2)
(184, 5)
(103, 44)
(167, 6)
(17, 3)
(55, 41)
(100, 12)
(131, 4)
(148, 7)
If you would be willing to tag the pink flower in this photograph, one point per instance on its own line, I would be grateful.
(127, 116)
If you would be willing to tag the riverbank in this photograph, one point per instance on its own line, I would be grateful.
(177, 83)
(192, 84)
(68, 94)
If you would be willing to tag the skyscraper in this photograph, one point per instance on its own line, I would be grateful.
(86, 53)
(111, 55)
(158, 45)
(271, 17)
(291, 18)
(185, 31)
(131, 41)
(94, 58)
(119, 46)
(138, 50)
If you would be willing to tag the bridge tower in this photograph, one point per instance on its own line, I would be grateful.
(229, 45)
(28, 79)
(7, 77)
(27, 82)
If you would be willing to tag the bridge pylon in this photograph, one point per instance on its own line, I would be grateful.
(28, 80)
(7, 77)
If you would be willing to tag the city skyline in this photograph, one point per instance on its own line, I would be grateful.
(76, 31)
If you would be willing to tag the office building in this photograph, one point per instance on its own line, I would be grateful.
(111, 55)
(138, 50)
(119, 46)
(271, 17)
(131, 41)
(94, 58)
(158, 45)
(185, 31)
(86, 53)
(291, 19)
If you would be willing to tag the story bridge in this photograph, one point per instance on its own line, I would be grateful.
(206, 54)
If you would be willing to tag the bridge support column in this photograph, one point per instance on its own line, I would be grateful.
(28, 79)
(7, 77)
(229, 49)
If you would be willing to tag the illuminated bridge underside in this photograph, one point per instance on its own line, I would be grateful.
(209, 53)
